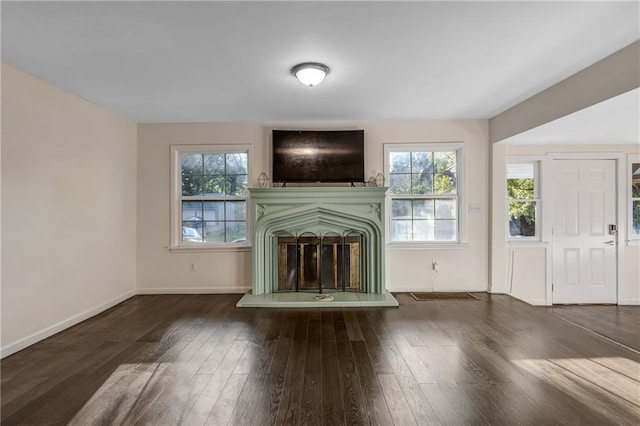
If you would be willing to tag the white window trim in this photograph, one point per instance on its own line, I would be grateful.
(537, 166)
(460, 209)
(176, 191)
(632, 240)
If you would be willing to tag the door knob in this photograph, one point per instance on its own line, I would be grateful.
(610, 242)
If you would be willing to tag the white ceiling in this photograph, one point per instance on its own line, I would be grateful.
(230, 61)
(615, 121)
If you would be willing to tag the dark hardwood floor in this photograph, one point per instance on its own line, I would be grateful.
(620, 323)
(196, 359)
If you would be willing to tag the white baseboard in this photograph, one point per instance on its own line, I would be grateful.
(194, 290)
(477, 288)
(14, 347)
(629, 301)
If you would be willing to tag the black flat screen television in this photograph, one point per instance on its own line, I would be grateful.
(302, 156)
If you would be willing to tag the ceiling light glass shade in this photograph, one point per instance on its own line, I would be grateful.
(310, 73)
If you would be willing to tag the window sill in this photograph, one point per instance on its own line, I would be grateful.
(209, 249)
(634, 242)
(427, 246)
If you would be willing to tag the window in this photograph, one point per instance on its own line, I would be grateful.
(523, 200)
(423, 191)
(210, 195)
(634, 202)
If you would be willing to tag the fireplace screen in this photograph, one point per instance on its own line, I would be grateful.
(315, 263)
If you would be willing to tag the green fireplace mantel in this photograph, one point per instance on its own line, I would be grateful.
(320, 210)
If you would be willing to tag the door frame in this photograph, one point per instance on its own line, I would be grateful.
(547, 206)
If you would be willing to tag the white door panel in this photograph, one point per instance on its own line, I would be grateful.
(584, 254)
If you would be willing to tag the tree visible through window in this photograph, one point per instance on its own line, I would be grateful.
(424, 195)
(523, 201)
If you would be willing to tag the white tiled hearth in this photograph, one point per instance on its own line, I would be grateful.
(307, 300)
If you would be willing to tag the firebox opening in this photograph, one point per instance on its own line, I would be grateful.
(313, 263)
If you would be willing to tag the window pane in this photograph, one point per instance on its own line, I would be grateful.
(236, 232)
(401, 209)
(635, 180)
(400, 162)
(216, 176)
(189, 234)
(423, 230)
(213, 164)
(444, 183)
(520, 171)
(521, 189)
(214, 232)
(213, 185)
(401, 230)
(423, 209)
(521, 181)
(445, 230)
(213, 210)
(422, 184)
(237, 163)
(444, 162)
(191, 164)
(522, 219)
(236, 184)
(400, 184)
(636, 217)
(192, 214)
(236, 210)
(192, 184)
(422, 162)
(425, 174)
(445, 209)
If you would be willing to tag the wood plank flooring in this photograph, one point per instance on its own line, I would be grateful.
(196, 359)
(620, 323)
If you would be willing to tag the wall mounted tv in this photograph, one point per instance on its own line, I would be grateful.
(318, 156)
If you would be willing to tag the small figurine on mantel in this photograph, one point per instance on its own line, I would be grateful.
(377, 180)
(263, 180)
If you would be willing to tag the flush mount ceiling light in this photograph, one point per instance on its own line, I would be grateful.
(310, 73)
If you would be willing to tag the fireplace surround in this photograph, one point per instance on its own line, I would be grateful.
(321, 220)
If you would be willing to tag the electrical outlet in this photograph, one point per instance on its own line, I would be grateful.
(435, 264)
(192, 266)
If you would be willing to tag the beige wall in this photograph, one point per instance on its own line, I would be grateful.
(158, 269)
(68, 209)
(407, 269)
(526, 268)
(508, 273)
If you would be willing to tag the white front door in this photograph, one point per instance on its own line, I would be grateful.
(584, 253)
